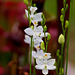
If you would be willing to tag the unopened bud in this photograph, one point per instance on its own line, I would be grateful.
(64, 1)
(60, 57)
(42, 23)
(34, 5)
(61, 18)
(45, 28)
(26, 2)
(66, 6)
(62, 10)
(66, 23)
(61, 39)
(32, 27)
(42, 15)
(42, 46)
(58, 51)
(61, 69)
(48, 36)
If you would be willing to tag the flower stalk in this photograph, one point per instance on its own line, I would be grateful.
(68, 38)
(31, 55)
(62, 19)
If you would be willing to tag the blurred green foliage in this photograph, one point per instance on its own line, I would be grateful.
(51, 6)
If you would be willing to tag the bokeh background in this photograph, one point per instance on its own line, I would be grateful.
(13, 21)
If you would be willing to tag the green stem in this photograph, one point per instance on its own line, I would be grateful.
(31, 3)
(34, 61)
(68, 39)
(34, 67)
(45, 41)
(57, 65)
(62, 46)
(31, 54)
(44, 36)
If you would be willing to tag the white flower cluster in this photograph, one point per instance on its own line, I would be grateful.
(43, 60)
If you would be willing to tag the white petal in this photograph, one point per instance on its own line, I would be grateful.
(39, 61)
(36, 17)
(39, 29)
(29, 31)
(34, 23)
(36, 42)
(49, 67)
(33, 9)
(34, 54)
(45, 71)
(48, 56)
(39, 39)
(26, 12)
(42, 35)
(51, 62)
(39, 67)
(27, 39)
(41, 53)
(36, 45)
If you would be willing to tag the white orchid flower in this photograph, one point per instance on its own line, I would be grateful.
(33, 9)
(45, 66)
(47, 56)
(37, 41)
(35, 23)
(38, 55)
(37, 46)
(36, 32)
(27, 39)
(34, 18)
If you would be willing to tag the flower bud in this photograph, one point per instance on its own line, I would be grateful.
(58, 51)
(62, 10)
(66, 6)
(66, 23)
(32, 27)
(34, 5)
(61, 18)
(44, 20)
(64, 1)
(61, 69)
(45, 28)
(42, 46)
(61, 39)
(26, 2)
(42, 15)
(41, 22)
(59, 57)
(48, 36)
